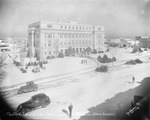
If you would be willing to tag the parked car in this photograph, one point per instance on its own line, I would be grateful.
(29, 87)
(103, 68)
(145, 49)
(36, 101)
(131, 62)
(138, 61)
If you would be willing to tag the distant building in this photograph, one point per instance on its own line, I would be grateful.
(128, 43)
(50, 38)
(143, 41)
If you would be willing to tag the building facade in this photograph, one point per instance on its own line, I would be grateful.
(50, 38)
(144, 42)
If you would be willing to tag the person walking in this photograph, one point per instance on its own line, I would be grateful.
(70, 109)
(133, 80)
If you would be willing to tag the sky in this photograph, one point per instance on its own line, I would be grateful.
(119, 17)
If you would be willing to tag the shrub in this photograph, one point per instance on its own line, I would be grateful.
(48, 57)
(18, 64)
(109, 60)
(107, 50)
(31, 63)
(99, 58)
(94, 51)
(35, 63)
(114, 59)
(24, 71)
(105, 58)
(53, 57)
(26, 67)
(88, 50)
(60, 55)
(41, 64)
(134, 50)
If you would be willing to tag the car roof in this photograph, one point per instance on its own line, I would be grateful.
(40, 95)
(30, 82)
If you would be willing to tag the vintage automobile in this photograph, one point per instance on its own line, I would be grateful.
(36, 101)
(103, 68)
(29, 87)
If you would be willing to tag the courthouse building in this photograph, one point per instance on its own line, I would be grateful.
(49, 38)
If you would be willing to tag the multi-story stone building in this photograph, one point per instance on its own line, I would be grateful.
(50, 38)
(144, 42)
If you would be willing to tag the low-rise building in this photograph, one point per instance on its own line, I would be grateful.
(144, 42)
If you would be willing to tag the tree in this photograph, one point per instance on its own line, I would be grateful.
(114, 59)
(105, 58)
(69, 51)
(88, 50)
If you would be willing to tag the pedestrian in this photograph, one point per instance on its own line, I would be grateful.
(70, 109)
(133, 79)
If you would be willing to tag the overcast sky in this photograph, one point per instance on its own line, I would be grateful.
(119, 17)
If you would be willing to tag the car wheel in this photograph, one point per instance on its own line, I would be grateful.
(35, 89)
(24, 111)
(19, 92)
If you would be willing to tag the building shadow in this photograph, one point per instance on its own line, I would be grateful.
(119, 105)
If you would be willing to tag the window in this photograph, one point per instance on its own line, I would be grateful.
(49, 26)
(45, 53)
(76, 41)
(99, 28)
(61, 43)
(60, 35)
(79, 41)
(72, 41)
(49, 36)
(83, 41)
(61, 27)
(49, 43)
(49, 52)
